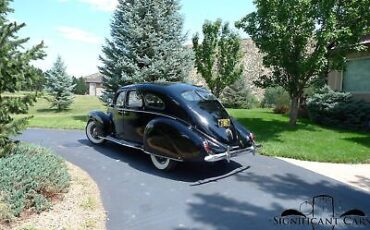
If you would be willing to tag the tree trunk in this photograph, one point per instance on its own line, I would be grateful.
(294, 107)
(216, 93)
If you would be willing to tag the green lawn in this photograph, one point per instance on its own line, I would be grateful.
(307, 142)
(74, 118)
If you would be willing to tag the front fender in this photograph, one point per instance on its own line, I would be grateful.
(171, 138)
(102, 119)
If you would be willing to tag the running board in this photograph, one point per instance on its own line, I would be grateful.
(123, 142)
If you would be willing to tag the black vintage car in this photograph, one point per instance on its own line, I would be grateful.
(172, 122)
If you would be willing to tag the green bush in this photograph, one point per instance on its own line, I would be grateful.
(277, 98)
(281, 109)
(29, 177)
(338, 109)
(239, 96)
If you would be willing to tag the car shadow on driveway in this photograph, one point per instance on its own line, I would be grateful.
(287, 191)
(184, 171)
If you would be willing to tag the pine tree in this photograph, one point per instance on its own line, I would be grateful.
(146, 45)
(239, 96)
(15, 72)
(59, 86)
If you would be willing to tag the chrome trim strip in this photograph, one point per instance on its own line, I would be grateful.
(156, 113)
(122, 142)
(174, 159)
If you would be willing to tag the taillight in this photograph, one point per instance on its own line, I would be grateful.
(206, 147)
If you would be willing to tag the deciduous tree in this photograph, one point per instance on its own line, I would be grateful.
(302, 39)
(80, 86)
(218, 57)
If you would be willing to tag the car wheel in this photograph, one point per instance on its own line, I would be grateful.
(163, 163)
(92, 133)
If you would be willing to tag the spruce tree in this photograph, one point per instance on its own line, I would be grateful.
(239, 96)
(146, 45)
(59, 86)
(15, 72)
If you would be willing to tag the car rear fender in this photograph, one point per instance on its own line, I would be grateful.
(103, 120)
(244, 133)
(173, 139)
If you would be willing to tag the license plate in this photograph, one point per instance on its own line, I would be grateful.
(224, 123)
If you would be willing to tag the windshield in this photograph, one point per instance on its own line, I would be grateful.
(198, 95)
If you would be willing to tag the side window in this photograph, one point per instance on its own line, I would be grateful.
(134, 100)
(120, 101)
(154, 102)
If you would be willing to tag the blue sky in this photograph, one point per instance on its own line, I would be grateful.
(75, 29)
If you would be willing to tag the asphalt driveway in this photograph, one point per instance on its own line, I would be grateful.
(137, 196)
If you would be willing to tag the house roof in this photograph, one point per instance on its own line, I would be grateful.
(94, 78)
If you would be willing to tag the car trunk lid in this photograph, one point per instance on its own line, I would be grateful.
(212, 118)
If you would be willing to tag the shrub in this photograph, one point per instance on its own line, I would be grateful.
(338, 109)
(239, 96)
(281, 109)
(29, 177)
(275, 96)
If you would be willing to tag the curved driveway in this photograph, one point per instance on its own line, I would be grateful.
(136, 196)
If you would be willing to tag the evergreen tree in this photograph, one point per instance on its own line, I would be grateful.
(239, 96)
(59, 86)
(146, 45)
(15, 71)
(218, 57)
(80, 86)
(36, 83)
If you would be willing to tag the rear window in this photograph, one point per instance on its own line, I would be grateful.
(198, 95)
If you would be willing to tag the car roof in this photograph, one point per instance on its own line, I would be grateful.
(163, 87)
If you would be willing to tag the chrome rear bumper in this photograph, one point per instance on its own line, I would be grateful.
(231, 153)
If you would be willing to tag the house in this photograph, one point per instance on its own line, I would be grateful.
(94, 82)
(355, 78)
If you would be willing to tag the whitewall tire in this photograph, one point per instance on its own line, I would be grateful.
(163, 163)
(92, 133)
